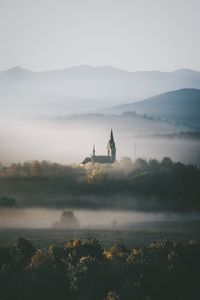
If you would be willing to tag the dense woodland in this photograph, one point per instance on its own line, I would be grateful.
(83, 269)
(139, 184)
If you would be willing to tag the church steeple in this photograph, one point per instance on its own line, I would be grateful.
(93, 155)
(93, 150)
(111, 147)
(111, 137)
(102, 159)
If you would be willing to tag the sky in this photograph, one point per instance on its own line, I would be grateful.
(129, 34)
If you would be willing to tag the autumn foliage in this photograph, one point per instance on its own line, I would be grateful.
(84, 269)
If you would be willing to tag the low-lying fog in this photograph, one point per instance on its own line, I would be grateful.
(87, 219)
(70, 142)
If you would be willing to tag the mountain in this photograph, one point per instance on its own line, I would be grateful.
(187, 73)
(178, 106)
(83, 89)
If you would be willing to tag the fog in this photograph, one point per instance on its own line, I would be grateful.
(83, 89)
(88, 219)
(70, 140)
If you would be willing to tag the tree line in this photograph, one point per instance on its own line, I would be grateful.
(139, 184)
(84, 269)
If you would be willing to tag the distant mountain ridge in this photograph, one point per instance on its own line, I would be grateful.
(178, 106)
(187, 73)
(84, 89)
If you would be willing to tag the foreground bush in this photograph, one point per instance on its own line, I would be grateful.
(84, 270)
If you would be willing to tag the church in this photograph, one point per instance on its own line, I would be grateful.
(103, 159)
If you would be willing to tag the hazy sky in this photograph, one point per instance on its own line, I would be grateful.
(131, 34)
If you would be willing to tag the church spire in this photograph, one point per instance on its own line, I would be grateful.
(93, 151)
(111, 137)
(111, 147)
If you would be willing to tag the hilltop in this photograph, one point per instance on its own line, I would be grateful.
(83, 89)
(178, 106)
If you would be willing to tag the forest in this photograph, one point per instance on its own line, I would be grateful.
(140, 185)
(84, 269)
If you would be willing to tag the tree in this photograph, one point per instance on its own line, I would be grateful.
(40, 260)
(112, 295)
(35, 168)
(167, 163)
(27, 250)
(68, 220)
(140, 164)
(117, 252)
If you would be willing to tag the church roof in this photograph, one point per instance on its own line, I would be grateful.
(101, 159)
(86, 160)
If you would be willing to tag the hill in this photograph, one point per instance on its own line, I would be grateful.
(177, 106)
(83, 89)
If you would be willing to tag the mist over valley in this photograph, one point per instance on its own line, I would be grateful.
(99, 150)
(83, 89)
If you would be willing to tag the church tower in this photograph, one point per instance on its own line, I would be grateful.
(102, 159)
(93, 154)
(111, 147)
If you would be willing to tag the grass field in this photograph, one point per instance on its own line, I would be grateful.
(138, 234)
